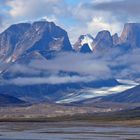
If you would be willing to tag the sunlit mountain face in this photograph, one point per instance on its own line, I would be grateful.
(39, 64)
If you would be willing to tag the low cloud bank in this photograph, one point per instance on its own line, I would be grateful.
(77, 67)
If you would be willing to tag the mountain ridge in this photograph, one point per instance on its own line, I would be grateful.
(129, 37)
(17, 36)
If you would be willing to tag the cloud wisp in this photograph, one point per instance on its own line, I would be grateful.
(53, 80)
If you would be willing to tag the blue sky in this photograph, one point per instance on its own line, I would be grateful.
(76, 16)
(72, 2)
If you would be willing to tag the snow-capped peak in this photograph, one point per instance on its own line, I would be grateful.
(85, 39)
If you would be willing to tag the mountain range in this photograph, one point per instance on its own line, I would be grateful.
(104, 40)
(23, 46)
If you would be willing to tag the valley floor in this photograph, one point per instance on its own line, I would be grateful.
(99, 113)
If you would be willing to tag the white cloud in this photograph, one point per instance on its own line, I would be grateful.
(49, 19)
(83, 64)
(98, 23)
(48, 80)
(34, 8)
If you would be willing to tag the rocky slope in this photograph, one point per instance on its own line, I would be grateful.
(128, 96)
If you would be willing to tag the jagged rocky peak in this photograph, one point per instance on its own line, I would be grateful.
(44, 36)
(131, 34)
(104, 36)
(41, 36)
(116, 39)
(84, 43)
(103, 40)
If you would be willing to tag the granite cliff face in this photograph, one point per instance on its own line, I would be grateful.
(41, 36)
(9, 39)
(131, 35)
(103, 41)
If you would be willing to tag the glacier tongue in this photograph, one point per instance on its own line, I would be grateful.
(97, 92)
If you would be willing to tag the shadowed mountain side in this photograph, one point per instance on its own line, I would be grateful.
(7, 100)
(51, 92)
